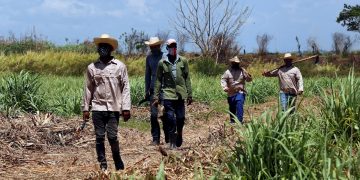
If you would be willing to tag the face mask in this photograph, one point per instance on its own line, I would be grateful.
(155, 51)
(104, 51)
(235, 66)
(288, 63)
(172, 51)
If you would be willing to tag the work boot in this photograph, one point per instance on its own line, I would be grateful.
(166, 137)
(103, 166)
(114, 143)
(155, 142)
(100, 151)
(172, 140)
(119, 165)
(179, 139)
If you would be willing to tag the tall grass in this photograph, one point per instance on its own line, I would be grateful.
(303, 146)
(20, 92)
(342, 107)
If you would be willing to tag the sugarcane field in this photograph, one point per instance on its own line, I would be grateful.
(180, 89)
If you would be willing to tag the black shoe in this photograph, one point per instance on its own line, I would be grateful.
(103, 166)
(119, 165)
(179, 140)
(155, 143)
(166, 138)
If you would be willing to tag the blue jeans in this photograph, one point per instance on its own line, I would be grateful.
(287, 101)
(236, 106)
(175, 116)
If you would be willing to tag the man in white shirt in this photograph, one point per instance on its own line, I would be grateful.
(290, 81)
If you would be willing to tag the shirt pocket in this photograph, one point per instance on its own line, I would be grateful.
(98, 79)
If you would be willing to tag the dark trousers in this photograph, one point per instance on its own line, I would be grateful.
(175, 117)
(236, 106)
(155, 126)
(107, 121)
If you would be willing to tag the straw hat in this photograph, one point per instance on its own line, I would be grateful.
(153, 41)
(288, 56)
(235, 59)
(170, 41)
(105, 38)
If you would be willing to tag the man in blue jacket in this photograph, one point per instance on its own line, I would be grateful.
(152, 61)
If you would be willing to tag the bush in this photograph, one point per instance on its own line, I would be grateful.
(262, 88)
(342, 107)
(20, 92)
(207, 66)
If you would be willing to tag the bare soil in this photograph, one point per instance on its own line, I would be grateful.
(48, 147)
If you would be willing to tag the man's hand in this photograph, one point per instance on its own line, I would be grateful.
(299, 92)
(189, 100)
(155, 103)
(126, 115)
(86, 115)
(265, 73)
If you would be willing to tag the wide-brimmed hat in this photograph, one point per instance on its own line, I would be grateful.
(153, 41)
(107, 39)
(235, 59)
(170, 41)
(288, 56)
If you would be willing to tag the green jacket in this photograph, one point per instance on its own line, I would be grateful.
(169, 86)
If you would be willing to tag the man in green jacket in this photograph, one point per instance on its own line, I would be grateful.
(173, 79)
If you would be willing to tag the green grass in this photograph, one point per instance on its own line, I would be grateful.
(303, 146)
(62, 94)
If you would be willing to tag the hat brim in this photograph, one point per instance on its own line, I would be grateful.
(111, 41)
(289, 58)
(235, 61)
(154, 44)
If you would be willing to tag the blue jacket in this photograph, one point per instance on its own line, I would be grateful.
(152, 61)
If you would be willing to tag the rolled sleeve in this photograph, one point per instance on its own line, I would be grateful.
(224, 79)
(125, 93)
(300, 80)
(158, 81)
(88, 91)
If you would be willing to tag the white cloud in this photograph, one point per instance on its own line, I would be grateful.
(290, 6)
(74, 8)
(138, 6)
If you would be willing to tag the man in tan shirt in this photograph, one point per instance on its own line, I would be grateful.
(107, 95)
(233, 82)
(290, 81)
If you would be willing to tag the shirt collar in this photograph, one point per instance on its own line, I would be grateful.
(112, 61)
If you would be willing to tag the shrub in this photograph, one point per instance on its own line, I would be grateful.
(342, 107)
(20, 92)
(262, 88)
(207, 66)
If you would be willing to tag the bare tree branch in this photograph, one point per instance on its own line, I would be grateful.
(210, 23)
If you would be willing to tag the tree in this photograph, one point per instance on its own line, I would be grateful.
(350, 17)
(299, 46)
(342, 43)
(204, 20)
(181, 41)
(313, 45)
(163, 35)
(133, 42)
(226, 48)
(263, 43)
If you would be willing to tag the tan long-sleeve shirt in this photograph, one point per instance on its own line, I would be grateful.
(233, 81)
(290, 79)
(106, 87)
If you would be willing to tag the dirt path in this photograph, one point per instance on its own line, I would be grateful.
(25, 156)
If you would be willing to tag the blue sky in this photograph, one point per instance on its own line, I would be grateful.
(85, 19)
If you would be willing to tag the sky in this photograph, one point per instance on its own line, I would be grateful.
(84, 19)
